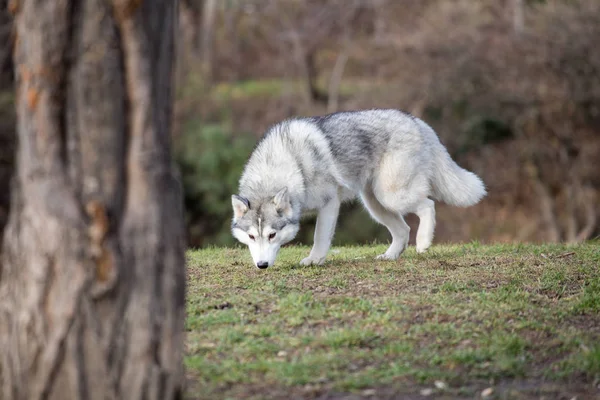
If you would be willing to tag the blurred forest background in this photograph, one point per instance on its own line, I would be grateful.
(511, 86)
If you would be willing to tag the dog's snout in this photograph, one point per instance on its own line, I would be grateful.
(262, 264)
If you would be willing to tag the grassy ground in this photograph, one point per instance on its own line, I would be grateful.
(464, 321)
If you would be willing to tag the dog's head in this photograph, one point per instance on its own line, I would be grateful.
(264, 226)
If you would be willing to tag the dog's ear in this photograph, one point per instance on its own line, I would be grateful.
(282, 201)
(240, 206)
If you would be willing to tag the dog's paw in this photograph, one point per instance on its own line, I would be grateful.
(422, 248)
(312, 260)
(389, 255)
(392, 253)
(386, 256)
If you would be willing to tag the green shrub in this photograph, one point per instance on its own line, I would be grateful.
(211, 159)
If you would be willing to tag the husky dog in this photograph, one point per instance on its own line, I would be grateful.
(390, 159)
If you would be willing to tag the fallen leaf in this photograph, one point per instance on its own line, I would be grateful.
(440, 385)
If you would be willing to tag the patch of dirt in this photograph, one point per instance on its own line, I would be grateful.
(223, 306)
(586, 323)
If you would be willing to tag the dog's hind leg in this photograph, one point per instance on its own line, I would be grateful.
(326, 220)
(394, 222)
(426, 213)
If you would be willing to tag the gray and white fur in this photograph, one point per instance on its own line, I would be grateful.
(390, 159)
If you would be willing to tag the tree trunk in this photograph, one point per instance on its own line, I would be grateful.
(209, 12)
(7, 117)
(92, 281)
(6, 72)
(518, 16)
(336, 78)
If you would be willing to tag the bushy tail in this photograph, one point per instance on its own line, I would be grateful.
(452, 184)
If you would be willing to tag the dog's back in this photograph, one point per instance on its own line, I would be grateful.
(351, 148)
(358, 140)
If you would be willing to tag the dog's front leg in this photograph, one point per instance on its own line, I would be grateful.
(326, 220)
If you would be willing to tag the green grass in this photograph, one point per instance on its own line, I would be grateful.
(522, 319)
(265, 88)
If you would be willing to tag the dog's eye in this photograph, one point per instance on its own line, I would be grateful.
(251, 237)
(272, 235)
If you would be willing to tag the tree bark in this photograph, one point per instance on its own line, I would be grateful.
(92, 279)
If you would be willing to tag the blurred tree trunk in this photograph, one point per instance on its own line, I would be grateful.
(92, 279)
(518, 16)
(312, 75)
(336, 80)
(7, 112)
(209, 12)
(6, 45)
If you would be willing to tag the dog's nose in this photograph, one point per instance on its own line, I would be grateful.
(262, 264)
